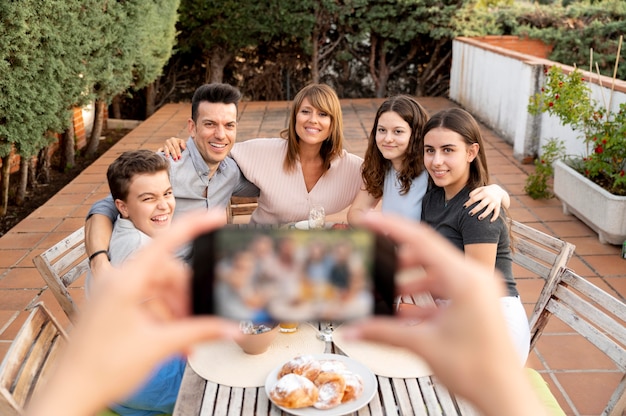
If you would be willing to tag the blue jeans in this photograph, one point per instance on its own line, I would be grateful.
(158, 394)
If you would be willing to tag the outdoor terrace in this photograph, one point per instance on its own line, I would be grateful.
(580, 377)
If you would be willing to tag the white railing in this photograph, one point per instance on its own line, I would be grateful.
(495, 84)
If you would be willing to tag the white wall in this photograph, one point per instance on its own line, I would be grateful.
(495, 85)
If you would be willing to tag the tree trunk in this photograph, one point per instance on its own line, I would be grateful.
(218, 60)
(68, 146)
(4, 189)
(315, 57)
(43, 166)
(150, 99)
(20, 195)
(32, 172)
(96, 132)
(116, 110)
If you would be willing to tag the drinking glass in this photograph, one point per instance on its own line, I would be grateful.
(288, 327)
(317, 217)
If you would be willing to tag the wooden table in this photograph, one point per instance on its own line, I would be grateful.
(395, 396)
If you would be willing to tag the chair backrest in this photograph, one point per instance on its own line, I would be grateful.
(61, 265)
(30, 360)
(240, 205)
(594, 314)
(539, 252)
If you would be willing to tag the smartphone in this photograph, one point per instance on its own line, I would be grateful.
(263, 274)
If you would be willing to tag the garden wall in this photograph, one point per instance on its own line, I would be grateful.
(493, 78)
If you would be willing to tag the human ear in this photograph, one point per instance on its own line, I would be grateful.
(472, 151)
(191, 126)
(122, 208)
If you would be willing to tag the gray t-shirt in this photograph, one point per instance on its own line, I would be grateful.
(125, 240)
(453, 221)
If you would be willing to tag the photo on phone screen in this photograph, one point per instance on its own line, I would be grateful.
(261, 274)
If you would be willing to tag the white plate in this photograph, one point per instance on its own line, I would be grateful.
(370, 386)
(302, 225)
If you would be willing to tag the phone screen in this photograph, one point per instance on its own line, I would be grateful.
(261, 274)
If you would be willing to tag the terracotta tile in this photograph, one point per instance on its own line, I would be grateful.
(6, 318)
(69, 225)
(21, 277)
(591, 246)
(569, 228)
(551, 214)
(589, 391)
(572, 352)
(522, 215)
(617, 286)
(13, 240)
(10, 331)
(529, 289)
(537, 203)
(10, 257)
(607, 265)
(16, 299)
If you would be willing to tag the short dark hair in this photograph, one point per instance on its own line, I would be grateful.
(134, 162)
(214, 93)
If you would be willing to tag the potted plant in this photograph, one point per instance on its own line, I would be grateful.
(602, 168)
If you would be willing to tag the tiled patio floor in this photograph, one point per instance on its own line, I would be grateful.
(580, 377)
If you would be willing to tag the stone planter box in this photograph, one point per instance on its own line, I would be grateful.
(604, 212)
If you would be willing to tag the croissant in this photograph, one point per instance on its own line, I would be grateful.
(294, 391)
(331, 387)
(304, 365)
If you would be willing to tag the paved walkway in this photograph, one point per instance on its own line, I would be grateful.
(580, 376)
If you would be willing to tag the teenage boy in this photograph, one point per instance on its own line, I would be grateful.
(140, 186)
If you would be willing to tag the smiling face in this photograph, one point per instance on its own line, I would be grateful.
(393, 135)
(150, 202)
(214, 132)
(312, 125)
(447, 158)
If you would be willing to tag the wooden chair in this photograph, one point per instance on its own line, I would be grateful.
(61, 265)
(596, 315)
(539, 252)
(240, 205)
(29, 360)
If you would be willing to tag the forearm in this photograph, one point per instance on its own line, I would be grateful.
(98, 230)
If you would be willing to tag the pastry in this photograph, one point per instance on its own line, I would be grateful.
(331, 386)
(304, 365)
(294, 391)
(354, 386)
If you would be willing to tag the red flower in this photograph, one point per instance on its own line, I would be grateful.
(621, 173)
(556, 97)
(550, 104)
(599, 149)
(587, 172)
(603, 141)
(560, 84)
(543, 162)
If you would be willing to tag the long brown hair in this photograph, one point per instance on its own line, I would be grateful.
(375, 165)
(323, 98)
(462, 123)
